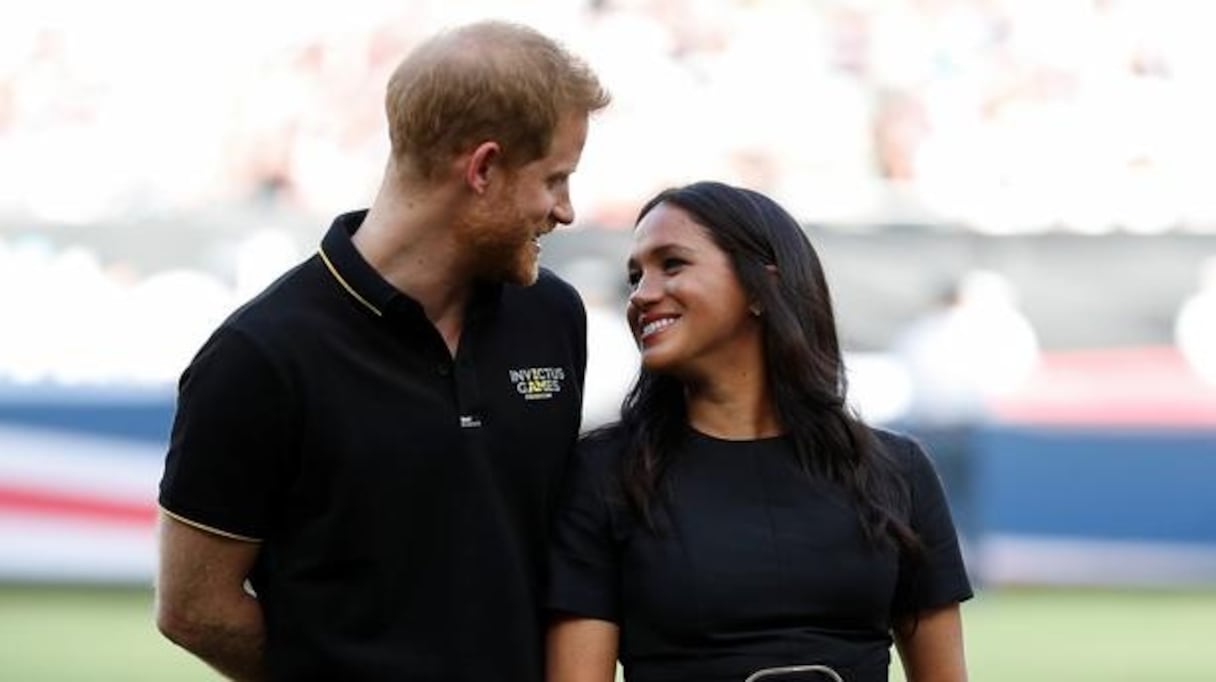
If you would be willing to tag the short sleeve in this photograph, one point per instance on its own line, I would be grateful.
(223, 470)
(939, 577)
(584, 556)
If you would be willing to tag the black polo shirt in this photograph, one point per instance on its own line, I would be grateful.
(401, 495)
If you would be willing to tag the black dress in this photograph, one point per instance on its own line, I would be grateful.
(754, 564)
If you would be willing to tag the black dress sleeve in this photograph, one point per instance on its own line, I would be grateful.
(584, 555)
(223, 471)
(938, 577)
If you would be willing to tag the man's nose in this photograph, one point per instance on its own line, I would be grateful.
(563, 211)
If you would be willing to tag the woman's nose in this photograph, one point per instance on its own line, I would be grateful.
(645, 292)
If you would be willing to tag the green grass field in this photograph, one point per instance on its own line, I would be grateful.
(65, 634)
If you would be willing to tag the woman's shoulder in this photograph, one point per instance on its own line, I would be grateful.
(891, 440)
(900, 448)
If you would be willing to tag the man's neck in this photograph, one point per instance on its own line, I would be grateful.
(409, 242)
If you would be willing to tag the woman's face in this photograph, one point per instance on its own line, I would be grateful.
(688, 312)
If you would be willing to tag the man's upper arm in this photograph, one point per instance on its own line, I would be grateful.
(200, 570)
(201, 601)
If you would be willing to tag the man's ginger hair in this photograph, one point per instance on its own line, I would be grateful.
(489, 81)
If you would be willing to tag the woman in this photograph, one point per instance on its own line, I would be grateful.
(738, 517)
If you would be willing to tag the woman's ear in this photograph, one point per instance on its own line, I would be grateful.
(754, 307)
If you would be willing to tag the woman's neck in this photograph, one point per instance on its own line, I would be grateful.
(734, 406)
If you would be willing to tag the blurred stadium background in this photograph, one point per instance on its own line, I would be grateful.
(1012, 199)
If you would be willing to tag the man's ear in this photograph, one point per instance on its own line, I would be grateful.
(481, 164)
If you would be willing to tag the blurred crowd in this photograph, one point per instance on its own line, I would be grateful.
(1003, 115)
(72, 319)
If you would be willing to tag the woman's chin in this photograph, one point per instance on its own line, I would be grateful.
(655, 360)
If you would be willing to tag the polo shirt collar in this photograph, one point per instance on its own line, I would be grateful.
(365, 285)
(354, 273)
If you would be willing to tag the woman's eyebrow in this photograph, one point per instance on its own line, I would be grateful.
(664, 249)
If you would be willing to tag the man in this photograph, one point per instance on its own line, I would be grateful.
(365, 455)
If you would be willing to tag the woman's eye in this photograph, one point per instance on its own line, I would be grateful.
(634, 278)
(673, 263)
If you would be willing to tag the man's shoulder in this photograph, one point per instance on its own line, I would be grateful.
(282, 307)
(549, 285)
(549, 289)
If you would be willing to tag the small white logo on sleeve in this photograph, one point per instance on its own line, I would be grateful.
(538, 383)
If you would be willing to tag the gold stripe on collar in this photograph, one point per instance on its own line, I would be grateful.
(346, 285)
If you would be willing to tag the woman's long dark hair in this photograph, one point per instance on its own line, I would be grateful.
(803, 364)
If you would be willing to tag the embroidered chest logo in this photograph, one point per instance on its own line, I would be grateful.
(538, 383)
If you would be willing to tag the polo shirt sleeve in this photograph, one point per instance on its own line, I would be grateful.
(223, 471)
(939, 577)
(584, 556)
